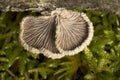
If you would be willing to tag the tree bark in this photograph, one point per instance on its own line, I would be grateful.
(39, 5)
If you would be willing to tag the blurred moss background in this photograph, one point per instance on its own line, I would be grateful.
(99, 61)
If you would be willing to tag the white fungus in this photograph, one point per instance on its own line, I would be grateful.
(63, 33)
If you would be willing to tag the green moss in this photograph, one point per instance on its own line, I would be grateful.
(100, 60)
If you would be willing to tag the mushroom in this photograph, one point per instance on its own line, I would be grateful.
(63, 33)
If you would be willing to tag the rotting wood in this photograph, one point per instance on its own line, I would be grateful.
(39, 5)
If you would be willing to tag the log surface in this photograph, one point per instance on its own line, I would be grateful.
(39, 5)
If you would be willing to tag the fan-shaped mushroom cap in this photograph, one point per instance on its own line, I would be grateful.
(74, 31)
(63, 33)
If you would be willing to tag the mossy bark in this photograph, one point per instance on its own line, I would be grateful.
(24, 5)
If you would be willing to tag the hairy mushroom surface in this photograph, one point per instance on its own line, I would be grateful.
(65, 32)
